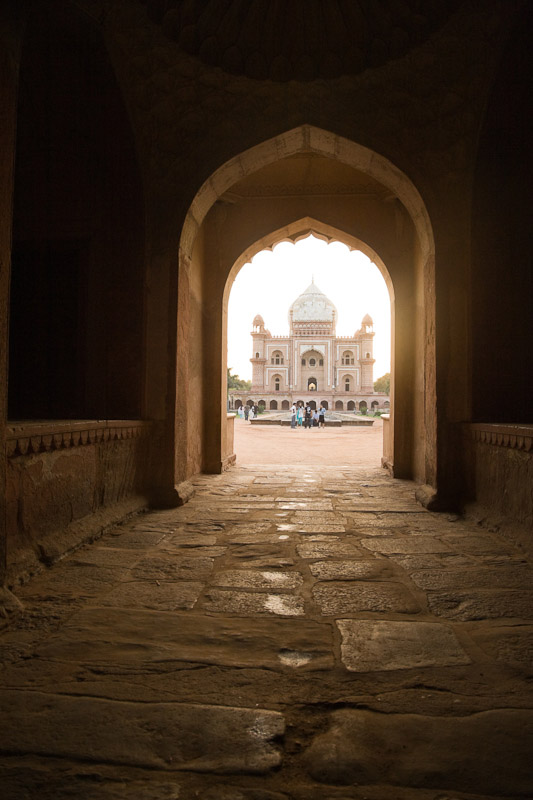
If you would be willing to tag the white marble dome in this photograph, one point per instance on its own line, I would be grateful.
(312, 306)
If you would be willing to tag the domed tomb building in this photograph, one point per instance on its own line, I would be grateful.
(312, 363)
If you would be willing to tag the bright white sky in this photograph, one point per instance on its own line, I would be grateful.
(274, 279)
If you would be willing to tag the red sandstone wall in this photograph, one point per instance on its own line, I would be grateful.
(58, 498)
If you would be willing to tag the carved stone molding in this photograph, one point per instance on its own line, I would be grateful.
(40, 437)
(517, 437)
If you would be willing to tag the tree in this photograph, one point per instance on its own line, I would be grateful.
(383, 384)
(234, 382)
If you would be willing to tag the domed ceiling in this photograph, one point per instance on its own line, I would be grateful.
(302, 40)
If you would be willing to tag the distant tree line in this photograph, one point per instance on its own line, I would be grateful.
(234, 382)
(383, 384)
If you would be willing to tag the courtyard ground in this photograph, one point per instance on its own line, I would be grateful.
(294, 632)
(329, 446)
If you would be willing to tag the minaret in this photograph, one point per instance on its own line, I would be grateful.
(259, 333)
(367, 354)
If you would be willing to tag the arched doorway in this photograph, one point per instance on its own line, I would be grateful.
(324, 404)
(285, 405)
(273, 405)
(339, 405)
(209, 243)
(351, 405)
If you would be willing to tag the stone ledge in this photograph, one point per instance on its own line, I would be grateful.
(517, 437)
(25, 438)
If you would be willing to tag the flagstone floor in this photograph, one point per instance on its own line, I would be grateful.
(291, 633)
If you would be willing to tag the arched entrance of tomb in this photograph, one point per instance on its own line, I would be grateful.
(365, 202)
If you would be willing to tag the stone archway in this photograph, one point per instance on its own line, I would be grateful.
(218, 237)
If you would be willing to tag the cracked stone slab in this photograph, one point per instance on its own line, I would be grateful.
(251, 603)
(369, 645)
(486, 753)
(482, 604)
(166, 595)
(254, 579)
(342, 570)
(137, 640)
(349, 598)
(484, 578)
(412, 544)
(152, 735)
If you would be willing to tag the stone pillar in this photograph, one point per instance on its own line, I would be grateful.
(9, 65)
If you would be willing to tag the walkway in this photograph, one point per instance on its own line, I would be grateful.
(274, 444)
(302, 633)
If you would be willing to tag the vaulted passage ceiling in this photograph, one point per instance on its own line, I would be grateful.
(301, 39)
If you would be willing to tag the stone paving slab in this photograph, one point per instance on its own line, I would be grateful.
(342, 570)
(382, 646)
(486, 753)
(482, 604)
(102, 636)
(164, 595)
(347, 598)
(512, 644)
(520, 577)
(250, 579)
(152, 735)
(332, 548)
(249, 603)
(161, 568)
(411, 544)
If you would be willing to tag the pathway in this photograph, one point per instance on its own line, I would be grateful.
(291, 633)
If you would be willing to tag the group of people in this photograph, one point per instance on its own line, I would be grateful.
(307, 417)
(248, 412)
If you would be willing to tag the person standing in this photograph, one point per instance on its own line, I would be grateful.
(246, 412)
(322, 416)
(315, 418)
(293, 416)
(299, 415)
(308, 419)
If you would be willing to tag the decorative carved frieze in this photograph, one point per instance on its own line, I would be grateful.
(517, 437)
(40, 437)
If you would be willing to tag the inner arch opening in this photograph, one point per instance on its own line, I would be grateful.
(284, 353)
